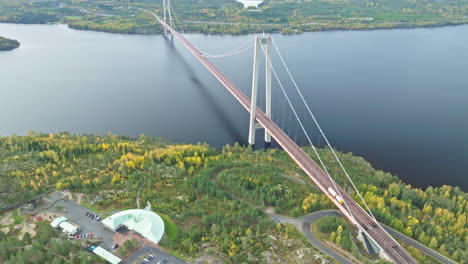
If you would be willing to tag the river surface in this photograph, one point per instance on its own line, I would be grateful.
(399, 98)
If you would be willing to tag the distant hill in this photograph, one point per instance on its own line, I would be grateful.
(238, 16)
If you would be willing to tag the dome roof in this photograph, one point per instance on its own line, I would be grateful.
(148, 224)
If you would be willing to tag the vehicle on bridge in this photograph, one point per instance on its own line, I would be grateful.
(334, 194)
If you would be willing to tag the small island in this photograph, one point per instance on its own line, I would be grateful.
(8, 44)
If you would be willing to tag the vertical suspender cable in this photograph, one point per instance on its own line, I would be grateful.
(320, 129)
(305, 132)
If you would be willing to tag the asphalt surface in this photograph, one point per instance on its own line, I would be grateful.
(352, 210)
(76, 214)
(419, 246)
(158, 255)
(303, 223)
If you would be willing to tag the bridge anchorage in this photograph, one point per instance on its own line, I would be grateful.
(253, 125)
(373, 235)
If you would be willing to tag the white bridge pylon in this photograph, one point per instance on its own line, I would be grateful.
(167, 14)
(266, 43)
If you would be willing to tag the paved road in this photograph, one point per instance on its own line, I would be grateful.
(303, 223)
(76, 214)
(419, 246)
(158, 255)
(352, 210)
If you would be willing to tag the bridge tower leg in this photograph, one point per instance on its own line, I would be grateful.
(266, 42)
(167, 14)
(168, 8)
(164, 12)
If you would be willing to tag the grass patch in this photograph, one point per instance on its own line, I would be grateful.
(293, 232)
(92, 207)
(170, 227)
(104, 211)
(72, 17)
(17, 217)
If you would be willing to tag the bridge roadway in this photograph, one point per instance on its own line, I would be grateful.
(357, 216)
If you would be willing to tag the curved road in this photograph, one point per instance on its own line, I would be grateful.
(303, 223)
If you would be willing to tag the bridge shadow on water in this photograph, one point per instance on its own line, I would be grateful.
(211, 101)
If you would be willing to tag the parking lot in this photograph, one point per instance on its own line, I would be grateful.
(159, 254)
(76, 214)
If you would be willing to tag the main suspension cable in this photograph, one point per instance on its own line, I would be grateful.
(320, 129)
(372, 216)
(235, 51)
(303, 128)
(232, 52)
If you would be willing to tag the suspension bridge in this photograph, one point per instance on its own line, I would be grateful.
(371, 233)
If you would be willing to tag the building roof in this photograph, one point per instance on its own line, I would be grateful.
(250, 3)
(57, 221)
(68, 228)
(148, 224)
(106, 255)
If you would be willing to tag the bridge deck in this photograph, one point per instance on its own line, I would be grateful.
(358, 217)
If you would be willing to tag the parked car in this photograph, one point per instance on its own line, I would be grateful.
(115, 246)
(87, 213)
(98, 218)
(150, 257)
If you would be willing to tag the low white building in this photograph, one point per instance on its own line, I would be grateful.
(250, 3)
(111, 258)
(66, 227)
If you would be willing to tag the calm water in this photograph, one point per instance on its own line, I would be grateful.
(397, 97)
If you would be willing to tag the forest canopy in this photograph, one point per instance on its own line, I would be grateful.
(230, 17)
(218, 198)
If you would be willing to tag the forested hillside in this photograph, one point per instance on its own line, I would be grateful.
(217, 199)
(229, 17)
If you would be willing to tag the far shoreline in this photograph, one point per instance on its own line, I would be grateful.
(279, 32)
(399, 26)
